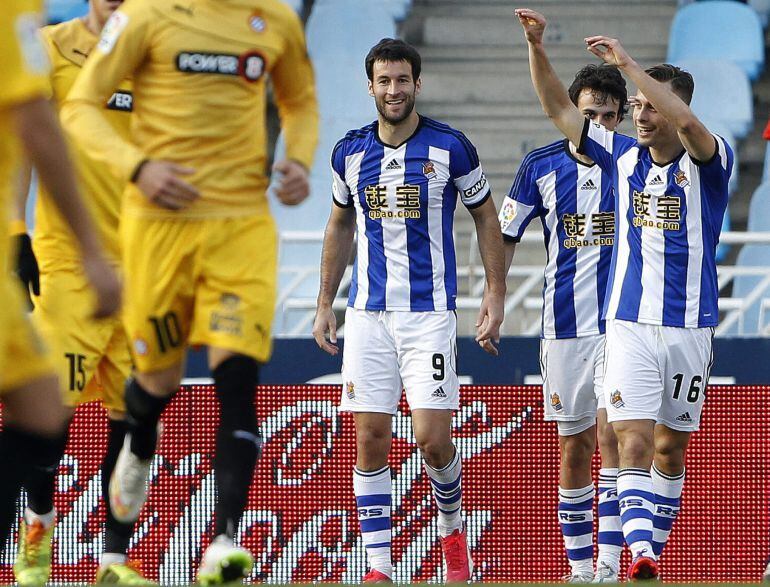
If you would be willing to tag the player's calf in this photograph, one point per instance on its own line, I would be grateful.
(239, 442)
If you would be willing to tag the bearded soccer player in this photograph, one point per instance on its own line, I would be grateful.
(92, 357)
(661, 303)
(198, 241)
(33, 416)
(574, 199)
(396, 183)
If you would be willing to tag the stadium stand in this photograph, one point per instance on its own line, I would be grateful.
(722, 94)
(696, 27)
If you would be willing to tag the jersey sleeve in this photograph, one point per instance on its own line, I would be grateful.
(121, 49)
(24, 73)
(719, 168)
(295, 95)
(340, 191)
(521, 205)
(467, 174)
(602, 145)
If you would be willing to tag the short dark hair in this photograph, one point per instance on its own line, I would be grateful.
(604, 81)
(393, 50)
(682, 83)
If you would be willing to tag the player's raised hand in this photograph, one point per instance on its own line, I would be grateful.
(489, 321)
(293, 184)
(162, 183)
(533, 23)
(106, 285)
(326, 322)
(608, 50)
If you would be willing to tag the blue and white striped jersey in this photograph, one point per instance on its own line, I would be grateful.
(405, 199)
(669, 216)
(577, 209)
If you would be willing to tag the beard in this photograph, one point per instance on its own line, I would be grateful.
(382, 108)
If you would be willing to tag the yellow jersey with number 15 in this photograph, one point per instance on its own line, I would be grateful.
(199, 69)
(68, 45)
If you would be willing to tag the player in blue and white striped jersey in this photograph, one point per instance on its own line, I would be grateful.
(671, 193)
(396, 183)
(574, 200)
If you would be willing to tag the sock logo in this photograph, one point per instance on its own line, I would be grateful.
(668, 511)
(370, 512)
(631, 502)
(571, 517)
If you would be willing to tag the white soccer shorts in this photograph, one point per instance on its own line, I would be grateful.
(657, 373)
(573, 372)
(385, 352)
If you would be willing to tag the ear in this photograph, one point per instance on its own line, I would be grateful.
(370, 86)
(418, 86)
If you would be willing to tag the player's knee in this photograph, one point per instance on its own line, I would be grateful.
(669, 457)
(577, 449)
(636, 449)
(235, 380)
(436, 450)
(605, 435)
(160, 383)
(372, 447)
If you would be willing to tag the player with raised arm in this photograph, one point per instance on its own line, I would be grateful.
(395, 183)
(573, 198)
(91, 356)
(33, 416)
(197, 237)
(661, 303)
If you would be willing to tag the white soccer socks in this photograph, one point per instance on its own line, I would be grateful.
(373, 499)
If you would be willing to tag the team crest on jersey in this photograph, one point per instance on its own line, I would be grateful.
(429, 170)
(556, 402)
(350, 389)
(616, 399)
(257, 23)
(681, 179)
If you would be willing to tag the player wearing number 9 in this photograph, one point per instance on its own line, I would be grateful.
(198, 240)
(397, 182)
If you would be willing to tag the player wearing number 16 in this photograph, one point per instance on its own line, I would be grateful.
(670, 186)
(396, 183)
(197, 238)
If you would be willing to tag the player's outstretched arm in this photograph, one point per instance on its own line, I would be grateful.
(47, 151)
(337, 247)
(490, 316)
(551, 92)
(695, 137)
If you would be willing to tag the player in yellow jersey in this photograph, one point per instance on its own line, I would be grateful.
(198, 240)
(33, 417)
(91, 356)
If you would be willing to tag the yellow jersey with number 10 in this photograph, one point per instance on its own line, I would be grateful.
(68, 45)
(199, 69)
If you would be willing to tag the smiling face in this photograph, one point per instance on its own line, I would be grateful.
(394, 90)
(604, 110)
(652, 129)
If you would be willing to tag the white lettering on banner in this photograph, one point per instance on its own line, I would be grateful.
(312, 427)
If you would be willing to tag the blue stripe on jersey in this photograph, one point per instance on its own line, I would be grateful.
(566, 260)
(675, 260)
(377, 269)
(448, 206)
(417, 236)
(631, 291)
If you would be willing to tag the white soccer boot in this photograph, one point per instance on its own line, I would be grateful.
(128, 484)
(605, 574)
(223, 562)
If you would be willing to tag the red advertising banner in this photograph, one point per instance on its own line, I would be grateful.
(301, 522)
